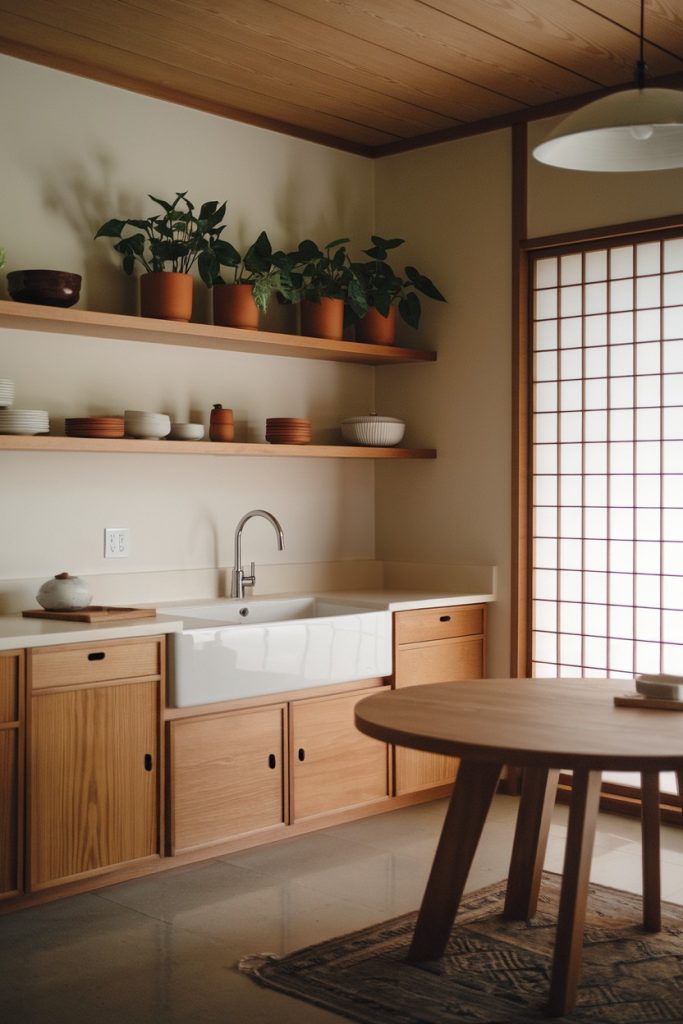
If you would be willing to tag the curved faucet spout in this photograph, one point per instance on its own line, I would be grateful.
(239, 578)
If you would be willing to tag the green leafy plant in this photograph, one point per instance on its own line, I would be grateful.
(266, 271)
(325, 273)
(382, 286)
(174, 240)
(2, 257)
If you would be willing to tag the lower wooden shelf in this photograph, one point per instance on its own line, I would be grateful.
(131, 446)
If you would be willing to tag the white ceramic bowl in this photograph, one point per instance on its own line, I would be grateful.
(374, 431)
(150, 425)
(6, 393)
(187, 431)
(139, 424)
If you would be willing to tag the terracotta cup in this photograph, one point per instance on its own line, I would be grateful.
(221, 424)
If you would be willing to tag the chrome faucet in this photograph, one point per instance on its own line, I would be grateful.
(239, 579)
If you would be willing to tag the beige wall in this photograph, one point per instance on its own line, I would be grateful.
(81, 152)
(453, 203)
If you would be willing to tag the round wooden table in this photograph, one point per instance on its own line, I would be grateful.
(540, 725)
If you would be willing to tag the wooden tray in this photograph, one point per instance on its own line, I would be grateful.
(94, 613)
(636, 701)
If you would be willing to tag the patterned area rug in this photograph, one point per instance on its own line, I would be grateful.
(494, 971)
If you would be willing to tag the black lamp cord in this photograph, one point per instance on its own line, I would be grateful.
(641, 66)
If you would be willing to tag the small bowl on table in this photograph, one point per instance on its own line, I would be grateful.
(44, 287)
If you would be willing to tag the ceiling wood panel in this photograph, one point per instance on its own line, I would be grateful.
(334, 51)
(146, 37)
(663, 24)
(369, 76)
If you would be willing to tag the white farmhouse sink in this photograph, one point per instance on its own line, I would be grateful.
(245, 648)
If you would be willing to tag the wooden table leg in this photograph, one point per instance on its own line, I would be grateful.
(539, 789)
(475, 786)
(583, 815)
(649, 804)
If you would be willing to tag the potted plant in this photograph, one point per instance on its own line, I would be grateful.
(167, 246)
(385, 292)
(323, 280)
(257, 275)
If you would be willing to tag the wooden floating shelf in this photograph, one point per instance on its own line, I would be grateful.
(52, 319)
(132, 446)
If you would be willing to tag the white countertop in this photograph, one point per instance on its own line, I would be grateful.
(19, 632)
(405, 600)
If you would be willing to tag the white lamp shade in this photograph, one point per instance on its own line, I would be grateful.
(635, 130)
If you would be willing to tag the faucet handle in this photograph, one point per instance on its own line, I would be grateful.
(250, 580)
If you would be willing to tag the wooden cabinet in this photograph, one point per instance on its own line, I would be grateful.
(11, 772)
(333, 765)
(239, 773)
(435, 645)
(94, 758)
(227, 776)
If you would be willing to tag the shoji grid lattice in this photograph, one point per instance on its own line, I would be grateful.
(607, 436)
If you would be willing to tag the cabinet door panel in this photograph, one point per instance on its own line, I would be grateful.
(435, 662)
(416, 769)
(227, 776)
(439, 662)
(9, 811)
(93, 799)
(333, 764)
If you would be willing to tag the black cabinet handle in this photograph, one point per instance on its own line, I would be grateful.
(148, 762)
(444, 618)
(97, 656)
(272, 761)
(302, 754)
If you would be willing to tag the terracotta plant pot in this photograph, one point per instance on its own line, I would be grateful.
(234, 306)
(377, 329)
(324, 319)
(166, 295)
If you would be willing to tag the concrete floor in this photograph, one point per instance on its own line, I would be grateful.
(162, 950)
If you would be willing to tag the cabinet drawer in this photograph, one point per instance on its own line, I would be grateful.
(94, 663)
(10, 681)
(424, 624)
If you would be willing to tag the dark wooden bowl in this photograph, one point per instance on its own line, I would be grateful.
(45, 287)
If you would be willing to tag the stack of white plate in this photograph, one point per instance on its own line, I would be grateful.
(6, 393)
(24, 421)
(148, 425)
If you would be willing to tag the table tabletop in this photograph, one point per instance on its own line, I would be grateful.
(555, 723)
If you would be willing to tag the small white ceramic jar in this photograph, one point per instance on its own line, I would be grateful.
(64, 593)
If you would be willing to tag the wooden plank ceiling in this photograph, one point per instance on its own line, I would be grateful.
(370, 76)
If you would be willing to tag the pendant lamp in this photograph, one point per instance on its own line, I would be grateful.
(639, 129)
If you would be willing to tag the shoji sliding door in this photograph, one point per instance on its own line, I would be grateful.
(607, 458)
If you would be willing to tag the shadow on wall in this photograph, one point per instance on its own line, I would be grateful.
(70, 193)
